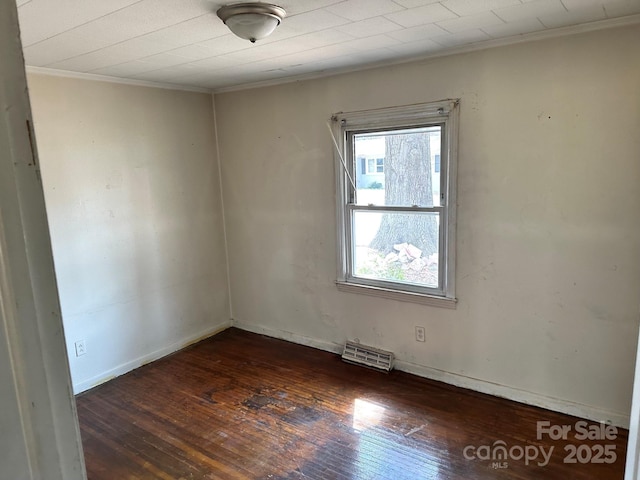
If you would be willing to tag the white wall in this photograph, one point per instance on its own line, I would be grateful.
(548, 231)
(132, 191)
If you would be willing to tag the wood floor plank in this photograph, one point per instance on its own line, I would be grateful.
(243, 406)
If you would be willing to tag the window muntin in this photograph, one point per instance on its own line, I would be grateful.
(397, 233)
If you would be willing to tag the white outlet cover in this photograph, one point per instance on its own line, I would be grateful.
(81, 348)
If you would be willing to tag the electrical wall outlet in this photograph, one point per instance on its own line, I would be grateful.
(81, 348)
(420, 334)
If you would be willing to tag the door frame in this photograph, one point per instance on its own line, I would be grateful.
(41, 436)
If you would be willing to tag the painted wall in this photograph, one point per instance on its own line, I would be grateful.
(132, 190)
(548, 246)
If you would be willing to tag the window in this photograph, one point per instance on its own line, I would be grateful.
(375, 165)
(398, 241)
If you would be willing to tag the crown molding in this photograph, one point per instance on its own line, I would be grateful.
(52, 72)
(485, 45)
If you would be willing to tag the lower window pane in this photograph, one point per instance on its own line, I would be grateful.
(397, 247)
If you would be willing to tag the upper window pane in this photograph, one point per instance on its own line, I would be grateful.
(398, 167)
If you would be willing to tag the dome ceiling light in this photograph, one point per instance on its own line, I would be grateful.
(251, 21)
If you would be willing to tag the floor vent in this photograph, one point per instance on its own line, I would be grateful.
(367, 356)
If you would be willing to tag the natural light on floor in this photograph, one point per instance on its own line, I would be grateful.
(366, 414)
(383, 453)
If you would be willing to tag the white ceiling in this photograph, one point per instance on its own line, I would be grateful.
(183, 42)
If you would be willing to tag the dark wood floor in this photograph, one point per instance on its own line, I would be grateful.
(244, 406)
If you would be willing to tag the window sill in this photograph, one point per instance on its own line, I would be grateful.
(421, 298)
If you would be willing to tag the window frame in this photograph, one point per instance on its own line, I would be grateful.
(344, 127)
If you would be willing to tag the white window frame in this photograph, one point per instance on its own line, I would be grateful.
(344, 126)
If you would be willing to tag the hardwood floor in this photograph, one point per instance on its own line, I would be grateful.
(244, 406)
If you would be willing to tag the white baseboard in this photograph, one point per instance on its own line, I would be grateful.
(522, 396)
(619, 419)
(148, 358)
(291, 337)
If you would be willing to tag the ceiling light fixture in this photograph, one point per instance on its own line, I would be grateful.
(252, 21)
